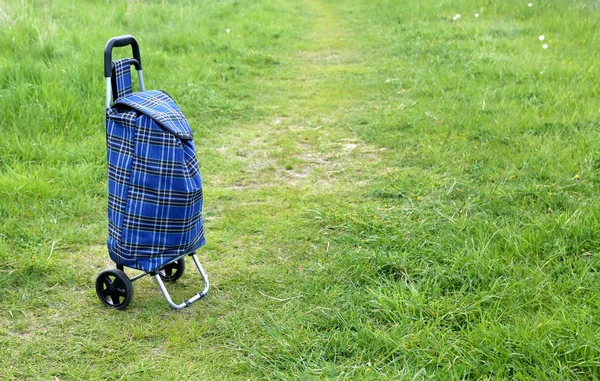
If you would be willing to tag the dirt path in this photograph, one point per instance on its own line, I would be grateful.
(303, 143)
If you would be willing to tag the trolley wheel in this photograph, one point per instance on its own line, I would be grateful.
(172, 271)
(114, 289)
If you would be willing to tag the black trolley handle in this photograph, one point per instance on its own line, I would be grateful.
(118, 42)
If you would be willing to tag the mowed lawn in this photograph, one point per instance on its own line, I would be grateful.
(393, 190)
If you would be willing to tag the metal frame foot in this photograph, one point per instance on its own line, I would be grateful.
(194, 298)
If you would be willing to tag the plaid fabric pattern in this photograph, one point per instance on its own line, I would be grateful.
(154, 184)
(156, 104)
(122, 78)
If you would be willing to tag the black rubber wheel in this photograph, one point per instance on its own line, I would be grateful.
(172, 271)
(114, 289)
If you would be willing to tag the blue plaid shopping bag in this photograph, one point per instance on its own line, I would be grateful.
(154, 183)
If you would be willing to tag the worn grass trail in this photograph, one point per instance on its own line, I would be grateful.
(299, 159)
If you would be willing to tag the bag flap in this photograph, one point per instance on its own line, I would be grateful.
(159, 106)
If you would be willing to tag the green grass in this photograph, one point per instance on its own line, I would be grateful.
(389, 194)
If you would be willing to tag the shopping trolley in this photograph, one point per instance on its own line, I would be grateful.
(154, 186)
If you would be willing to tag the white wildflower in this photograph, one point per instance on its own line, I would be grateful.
(542, 37)
(530, 5)
(545, 46)
(476, 15)
(227, 30)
